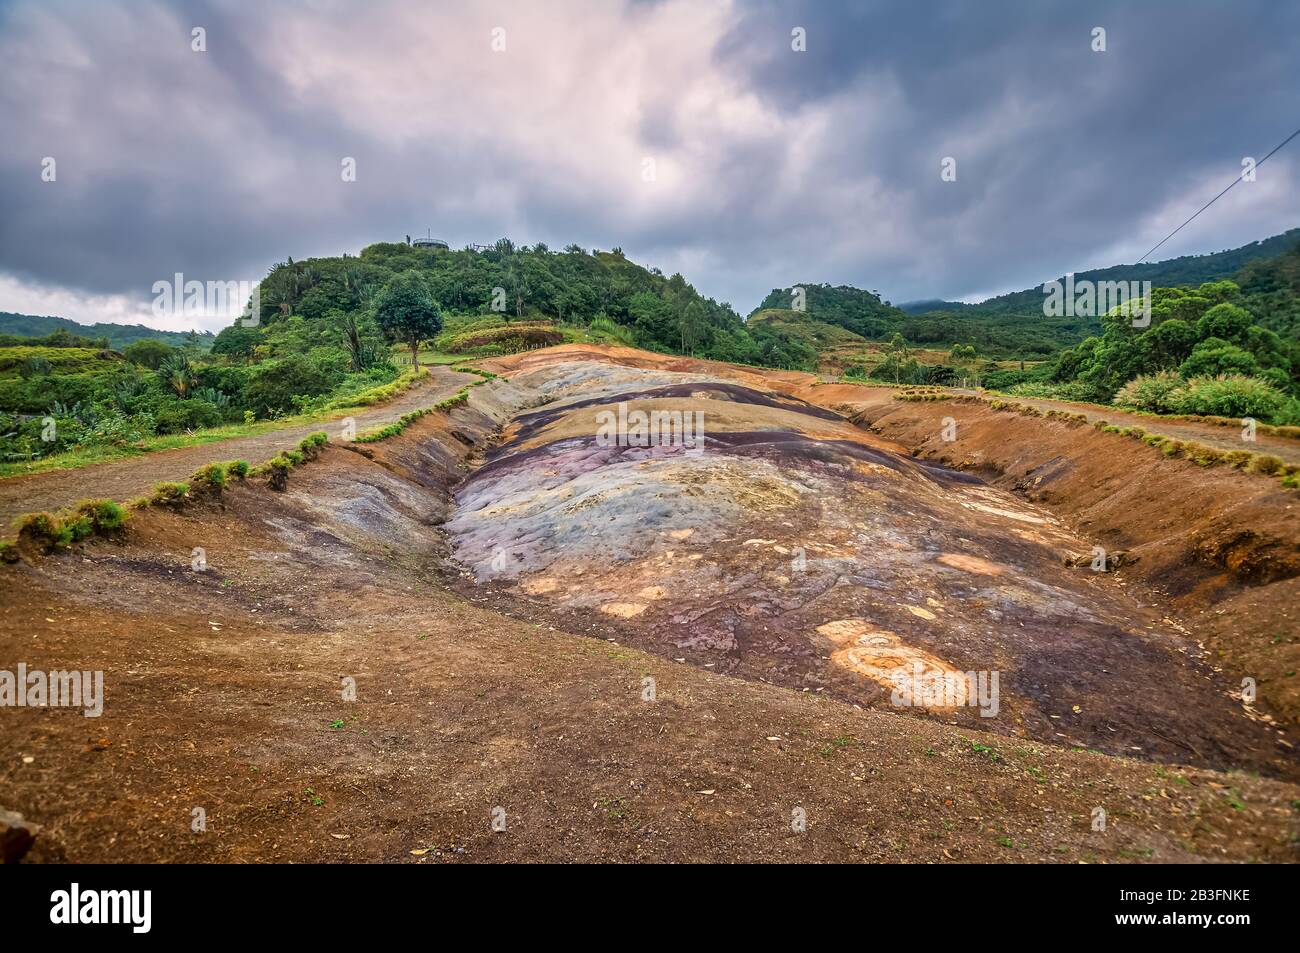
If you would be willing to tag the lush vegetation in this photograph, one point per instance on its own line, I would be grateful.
(1270, 289)
(59, 396)
(1205, 352)
(856, 310)
(325, 339)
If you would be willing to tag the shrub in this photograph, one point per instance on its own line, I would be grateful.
(170, 494)
(376, 393)
(274, 384)
(486, 375)
(211, 478)
(460, 397)
(105, 515)
(55, 530)
(1203, 456)
(148, 353)
(509, 338)
(237, 469)
(1230, 395)
(277, 470)
(1265, 463)
(1156, 393)
(312, 442)
(179, 416)
(45, 529)
(603, 327)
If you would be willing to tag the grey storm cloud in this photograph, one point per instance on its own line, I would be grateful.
(771, 166)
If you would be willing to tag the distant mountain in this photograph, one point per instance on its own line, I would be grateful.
(1187, 270)
(1014, 323)
(118, 335)
(932, 304)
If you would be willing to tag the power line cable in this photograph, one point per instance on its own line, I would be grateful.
(1215, 199)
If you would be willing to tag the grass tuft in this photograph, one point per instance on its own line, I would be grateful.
(170, 494)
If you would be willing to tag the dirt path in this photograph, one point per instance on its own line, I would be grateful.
(861, 396)
(123, 479)
(1222, 438)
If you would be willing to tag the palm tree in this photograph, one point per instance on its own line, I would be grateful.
(178, 374)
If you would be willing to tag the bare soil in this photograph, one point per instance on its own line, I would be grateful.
(224, 691)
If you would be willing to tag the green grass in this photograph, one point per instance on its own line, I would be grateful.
(439, 357)
(404, 421)
(168, 493)
(61, 360)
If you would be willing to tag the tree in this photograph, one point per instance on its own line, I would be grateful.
(237, 341)
(1226, 321)
(148, 352)
(406, 312)
(1170, 343)
(1216, 356)
(357, 334)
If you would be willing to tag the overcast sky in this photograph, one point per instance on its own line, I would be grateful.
(771, 166)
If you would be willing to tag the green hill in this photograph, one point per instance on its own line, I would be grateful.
(118, 336)
(859, 311)
(802, 327)
(602, 292)
(1189, 271)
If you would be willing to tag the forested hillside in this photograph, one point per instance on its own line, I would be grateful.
(116, 336)
(506, 284)
(1271, 289)
(336, 331)
(1190, 270)
(326, 338)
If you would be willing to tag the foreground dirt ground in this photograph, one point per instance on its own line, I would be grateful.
(226, 693)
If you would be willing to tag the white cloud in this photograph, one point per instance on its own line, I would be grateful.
(28, 298)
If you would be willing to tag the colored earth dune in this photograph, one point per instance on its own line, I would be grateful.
(789, 546)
